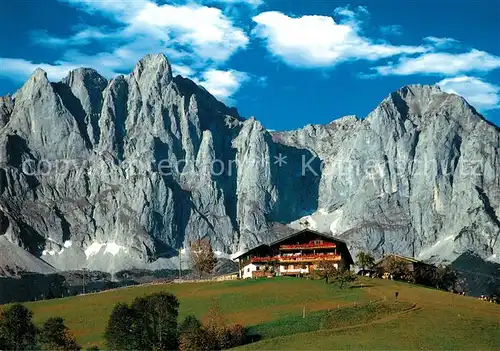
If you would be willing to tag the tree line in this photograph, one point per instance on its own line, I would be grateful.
(151, 323)
(442, 277)
(18, 332)
(334, 273)
(148, 323)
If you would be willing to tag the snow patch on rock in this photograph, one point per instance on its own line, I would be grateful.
(236, 254)
(93, 249)
(109, 247)
(114, 248)
(323, 211)
(493, 258)
(335, 223)
(441, 248)
(321, 221)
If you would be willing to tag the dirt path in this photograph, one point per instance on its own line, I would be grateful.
(250, 318)
(382, 320)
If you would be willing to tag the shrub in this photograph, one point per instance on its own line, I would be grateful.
(17, 330)
(399, 269)
(54, 335)
(344, 276)
(445, 277)
(156, 317)
(238, 335)
(202, 256)
(121, 327)
(223, 336)
(150, 323)
(193, 337)
(365, 260)
(326, 270)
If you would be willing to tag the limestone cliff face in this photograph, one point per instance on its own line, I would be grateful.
(419, 176)
(111, 175)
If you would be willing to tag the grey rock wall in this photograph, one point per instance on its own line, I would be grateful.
(419, 176)
(110, 175)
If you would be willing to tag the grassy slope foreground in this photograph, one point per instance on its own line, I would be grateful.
(438, 321)
(246, 302)
(359, 318)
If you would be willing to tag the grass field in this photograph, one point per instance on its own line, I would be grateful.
(364, 317)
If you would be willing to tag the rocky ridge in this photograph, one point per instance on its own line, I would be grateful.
(110, 175)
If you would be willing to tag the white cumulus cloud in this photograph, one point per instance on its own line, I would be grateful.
(441, 42)
(251, 3)
(480, 94)
(441, 63)
(196, 38)
(84, 36)
(319, 41)
(206, 30)
(118, 10)
(222, 84)
(191, 30)
(184, 71)
(19, 69)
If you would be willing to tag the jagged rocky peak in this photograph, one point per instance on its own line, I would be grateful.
(421, 103)
(84, 100)
(345, 120)
(419, 92)
(38, 80)
(416, 93)
(153, 67)
(38, 74)
(87, 76)
(44, 120)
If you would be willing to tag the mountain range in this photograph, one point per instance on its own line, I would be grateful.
(109, 175)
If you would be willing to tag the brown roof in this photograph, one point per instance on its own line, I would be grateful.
(405, 258)
(326, 236)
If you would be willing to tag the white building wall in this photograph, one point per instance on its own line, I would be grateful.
(299, 269)
(246, 272)
(295, 270)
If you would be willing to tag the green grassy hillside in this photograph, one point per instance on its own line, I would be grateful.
(365, 316)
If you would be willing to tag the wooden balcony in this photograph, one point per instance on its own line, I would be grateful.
(262, 274)
(309, 258)
(264, 259)
(298, 258)
(309, 246)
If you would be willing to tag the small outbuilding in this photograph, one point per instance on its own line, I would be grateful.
(406, 267)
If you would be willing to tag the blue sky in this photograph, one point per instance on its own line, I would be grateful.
(286, 62)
